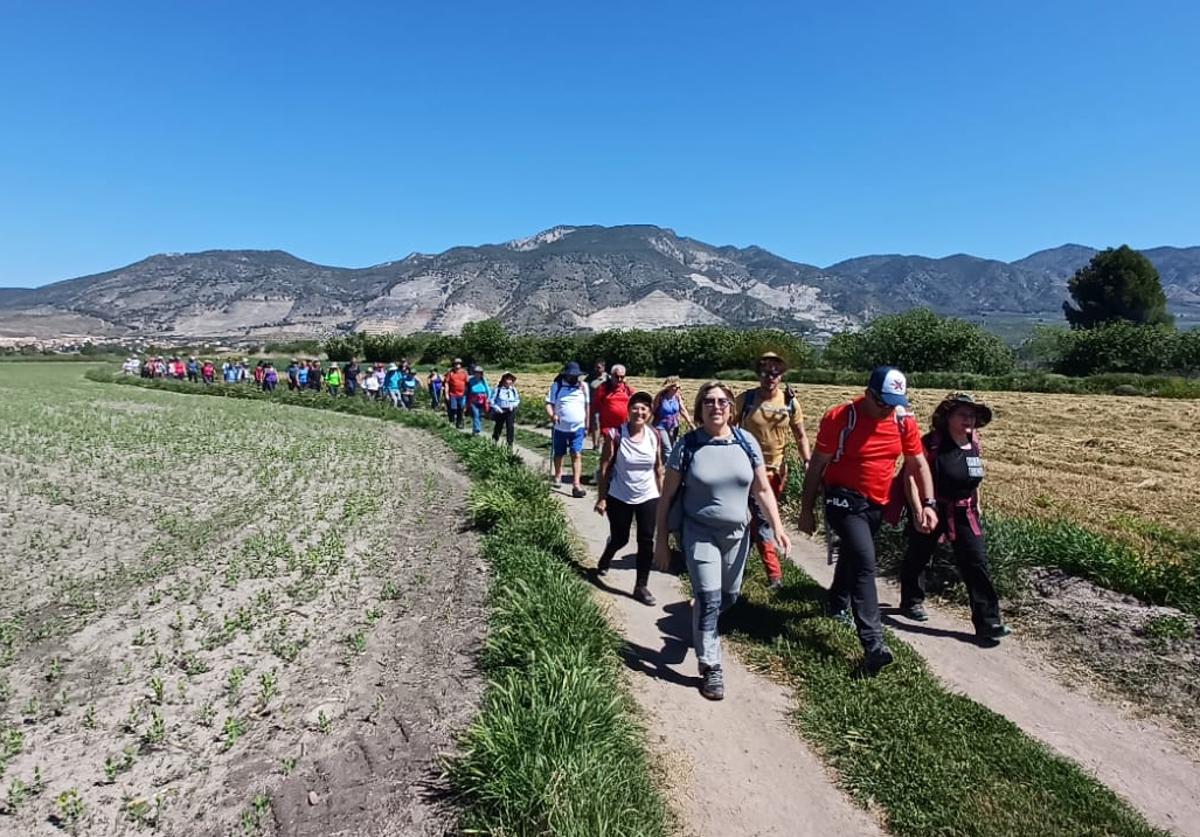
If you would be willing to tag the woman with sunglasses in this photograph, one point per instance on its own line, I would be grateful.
(715, 470)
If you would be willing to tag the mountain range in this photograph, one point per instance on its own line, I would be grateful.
(563, 279)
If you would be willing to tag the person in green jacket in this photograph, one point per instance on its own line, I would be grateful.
(333, 379)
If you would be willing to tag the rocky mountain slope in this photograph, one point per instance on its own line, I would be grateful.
(565, 278)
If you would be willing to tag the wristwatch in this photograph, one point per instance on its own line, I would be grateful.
(929, 503)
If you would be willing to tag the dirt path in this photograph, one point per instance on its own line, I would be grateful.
(1135, 758)
(736, 767)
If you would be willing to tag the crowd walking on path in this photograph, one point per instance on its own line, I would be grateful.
(701, 484)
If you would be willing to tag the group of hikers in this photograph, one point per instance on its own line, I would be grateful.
(703, 498)
(709, 496)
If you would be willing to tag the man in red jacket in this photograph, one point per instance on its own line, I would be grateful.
(855, 463)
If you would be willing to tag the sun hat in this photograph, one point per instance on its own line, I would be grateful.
(954, 400)
(572, 370)
(392, 366)
(477, 368)
(890, 385)
(766, 356)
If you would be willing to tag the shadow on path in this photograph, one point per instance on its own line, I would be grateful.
(676, 628)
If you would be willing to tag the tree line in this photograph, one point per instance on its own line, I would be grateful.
(1117, 323)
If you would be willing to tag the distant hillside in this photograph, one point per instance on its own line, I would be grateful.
(562, 279)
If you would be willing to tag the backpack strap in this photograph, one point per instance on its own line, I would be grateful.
(789, 399)
(744, 444)
(748, 403)
(844, 433)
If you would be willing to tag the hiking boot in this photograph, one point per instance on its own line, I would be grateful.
(993, 632)
(644, 596)
(578, 491)
(875, 660)
(713, 685)
(775, 584)
(915, 612)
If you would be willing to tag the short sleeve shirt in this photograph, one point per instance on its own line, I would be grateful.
(612, 404)
(716, 490)
(867, 453)
(770, 422)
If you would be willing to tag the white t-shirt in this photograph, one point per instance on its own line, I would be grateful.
(633, 476)
(570, 404)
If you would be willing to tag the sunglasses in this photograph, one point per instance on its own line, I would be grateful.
(771, 373)
(716, 403)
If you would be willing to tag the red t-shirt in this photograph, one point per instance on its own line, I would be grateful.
(612, 404)
(869, 451)
(456, 382)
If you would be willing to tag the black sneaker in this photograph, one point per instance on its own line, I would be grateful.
(775, 584)
(713, 685)
(915, 612)
(578, 491)
(876, 660)
(644, 596)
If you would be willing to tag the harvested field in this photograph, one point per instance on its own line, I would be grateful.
(1121, 464)
(225, 616)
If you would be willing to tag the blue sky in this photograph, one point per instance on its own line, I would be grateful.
(352, 133)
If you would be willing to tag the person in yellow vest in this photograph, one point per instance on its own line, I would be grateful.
(772, 415)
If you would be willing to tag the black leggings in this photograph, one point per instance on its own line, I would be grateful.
(970, 555)
(508, 421)
(620, 518)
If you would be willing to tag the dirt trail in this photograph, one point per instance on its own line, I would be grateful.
(736, 767)
(1135, 758)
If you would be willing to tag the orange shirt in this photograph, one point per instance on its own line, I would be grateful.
(456, 382)
(869, 451)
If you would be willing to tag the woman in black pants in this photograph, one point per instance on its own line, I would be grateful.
(631, 475)
(952, 448)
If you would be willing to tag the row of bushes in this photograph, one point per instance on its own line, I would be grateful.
(919, 342)
(554, 749)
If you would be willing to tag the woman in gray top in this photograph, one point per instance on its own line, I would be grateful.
(718, 468)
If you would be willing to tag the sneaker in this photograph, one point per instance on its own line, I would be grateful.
(644, 596)
(877, 659)
(842, 616)
(775, 584)
(578, 491)
(713, 685)
(915, 612)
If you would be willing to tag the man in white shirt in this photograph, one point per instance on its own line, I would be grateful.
(567, 405)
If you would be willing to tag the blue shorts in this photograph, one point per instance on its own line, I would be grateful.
(563, 440)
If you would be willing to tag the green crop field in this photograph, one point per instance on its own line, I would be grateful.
(203, 598)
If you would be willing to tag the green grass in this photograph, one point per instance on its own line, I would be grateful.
(555, 748)
(1167, 572)
(936, 763)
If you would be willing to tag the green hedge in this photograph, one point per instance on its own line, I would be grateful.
(555, 748)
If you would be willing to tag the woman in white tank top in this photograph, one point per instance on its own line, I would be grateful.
(631, 474)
